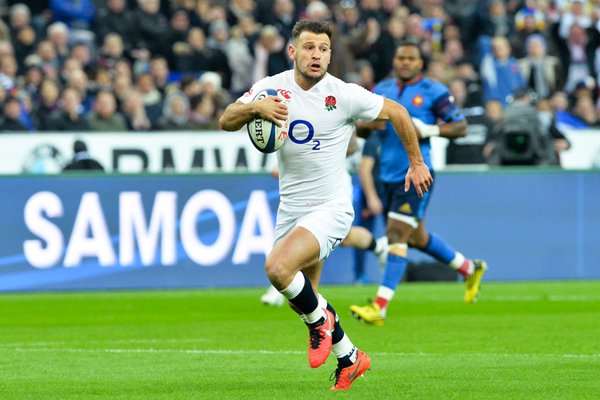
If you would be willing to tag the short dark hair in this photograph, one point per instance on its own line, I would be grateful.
(413, 43)
(317, 27)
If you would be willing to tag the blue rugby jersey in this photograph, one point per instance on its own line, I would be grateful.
(424, 99)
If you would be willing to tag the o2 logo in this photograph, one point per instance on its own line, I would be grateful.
(309, 136)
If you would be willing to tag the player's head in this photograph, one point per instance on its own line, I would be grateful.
(311, 49)
(408, 60)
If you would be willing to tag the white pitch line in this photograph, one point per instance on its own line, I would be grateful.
(291, 352)
(104, 342)
(513, 298)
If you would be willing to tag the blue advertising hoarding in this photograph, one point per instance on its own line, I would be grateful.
(154, 231)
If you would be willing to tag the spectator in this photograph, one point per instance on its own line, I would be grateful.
(47, 106)
(112, 52)
(79, 81)
(465, 71)
(150, 96)
(69, 117)
(81, 52)
(500, 73)
(24, 44)
(11, 116)
(70, 66)
(585, 115)
(239, 58)
(494, 22)
(573, 13)
(105, 117)
(469, 148)
(116, 18)
(529, 20)
(121, 87)
(195, 56)
(385, 47)
(159, 69)
(77, 14)
(49, 60)
(547, 119)
(541, 72)
(82, 161)
(283, 17)
(203, 113)
(179, 26)
(190, 85)
(151, 27)
(8, 72)
(176, 113)
(32, 82)
(270, 54)
(577, 55)
(135, 112)
(237, 9)
(19, 17)
(58, 35)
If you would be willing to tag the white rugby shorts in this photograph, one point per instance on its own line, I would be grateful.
(329, 222)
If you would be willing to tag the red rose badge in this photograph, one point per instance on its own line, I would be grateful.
(330, 103)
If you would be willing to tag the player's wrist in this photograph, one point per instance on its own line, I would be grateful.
(430, 130)
(426, 131)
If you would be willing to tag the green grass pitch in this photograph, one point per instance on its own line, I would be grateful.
(520, 341)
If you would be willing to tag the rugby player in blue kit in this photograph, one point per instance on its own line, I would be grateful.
(434, 114)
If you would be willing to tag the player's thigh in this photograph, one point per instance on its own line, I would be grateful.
(329, 223)
(294, 251)
(419, 236)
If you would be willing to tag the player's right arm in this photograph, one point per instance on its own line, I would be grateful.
(236, 115)
(365, 174)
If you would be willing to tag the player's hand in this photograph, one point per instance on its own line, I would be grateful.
(423, 130)
(273, 109)
(374, 205)
(419, 176)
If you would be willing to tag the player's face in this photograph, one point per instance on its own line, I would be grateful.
(407, 63)
(311, 55)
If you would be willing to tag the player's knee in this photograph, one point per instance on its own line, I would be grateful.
(277, 272)
(399, 249)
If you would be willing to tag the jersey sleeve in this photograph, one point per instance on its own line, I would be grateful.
(364, 104)
(444, 108)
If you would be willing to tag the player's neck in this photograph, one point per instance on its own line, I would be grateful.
(411, 81)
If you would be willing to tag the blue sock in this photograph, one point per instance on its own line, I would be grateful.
(394, 271)
(439, 249)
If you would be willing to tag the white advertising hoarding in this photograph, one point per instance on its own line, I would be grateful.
(130, 152)
(206, 151)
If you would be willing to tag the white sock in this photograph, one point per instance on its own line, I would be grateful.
(344, 348)
(295, 287)
(458, 262)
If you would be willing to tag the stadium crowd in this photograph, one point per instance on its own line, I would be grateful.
(143, 65)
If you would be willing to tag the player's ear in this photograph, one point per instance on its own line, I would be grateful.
(292, 52)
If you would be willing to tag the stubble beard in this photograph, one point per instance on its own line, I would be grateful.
(312, 80)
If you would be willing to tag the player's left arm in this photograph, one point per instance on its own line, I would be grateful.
(418, 173)
(453, 125)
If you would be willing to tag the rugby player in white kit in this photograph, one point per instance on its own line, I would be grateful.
(315, 212)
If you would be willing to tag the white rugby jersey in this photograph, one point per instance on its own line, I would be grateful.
(320, 124)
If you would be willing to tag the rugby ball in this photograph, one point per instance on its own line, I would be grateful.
(266, 136)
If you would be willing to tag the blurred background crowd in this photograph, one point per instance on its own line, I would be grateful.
(147, 65)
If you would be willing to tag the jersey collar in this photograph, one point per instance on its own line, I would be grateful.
(401, 85)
